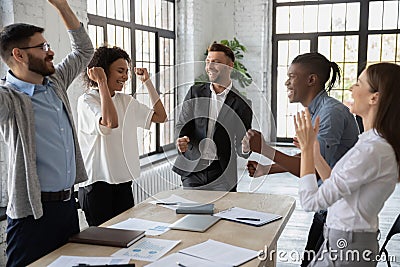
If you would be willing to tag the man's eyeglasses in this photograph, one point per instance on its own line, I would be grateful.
(44, 46)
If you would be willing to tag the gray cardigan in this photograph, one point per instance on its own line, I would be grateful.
(18, 129)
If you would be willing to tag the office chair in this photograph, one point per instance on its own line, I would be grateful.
(394, 230)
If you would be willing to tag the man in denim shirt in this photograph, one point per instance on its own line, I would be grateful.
(338, 131)
(36, 122)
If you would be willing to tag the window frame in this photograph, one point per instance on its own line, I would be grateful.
(362, 34)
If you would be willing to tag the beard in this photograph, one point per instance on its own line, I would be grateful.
(40, 66)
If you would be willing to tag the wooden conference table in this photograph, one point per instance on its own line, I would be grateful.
(238, 234)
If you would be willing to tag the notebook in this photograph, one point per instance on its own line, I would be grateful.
(194, 222)
(252, 217)
(107, 236)
(195, 208)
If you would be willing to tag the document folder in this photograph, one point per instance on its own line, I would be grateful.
(107, 237)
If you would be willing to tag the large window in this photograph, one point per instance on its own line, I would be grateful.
(145, 29)
(351, 33)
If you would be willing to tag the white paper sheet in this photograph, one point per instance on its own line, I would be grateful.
(152, 228)
(246, 216)
(221, 253)
(69, 261)
(185, 260)
(147, 249)
(172, 199)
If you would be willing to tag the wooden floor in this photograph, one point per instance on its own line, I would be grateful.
(293, 239)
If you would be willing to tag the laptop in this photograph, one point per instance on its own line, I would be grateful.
(195, 222)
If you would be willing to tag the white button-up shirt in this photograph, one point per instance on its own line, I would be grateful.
(209, 149)
(360, 183)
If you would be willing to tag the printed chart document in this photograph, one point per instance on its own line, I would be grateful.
(220, 253)
(147, 249)
(151, 228)
(246, 216)
(172, 202)
(69, 261)
(185, 260)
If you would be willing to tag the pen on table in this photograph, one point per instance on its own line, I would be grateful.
(247, 219)
(180, 264)
(166, 203)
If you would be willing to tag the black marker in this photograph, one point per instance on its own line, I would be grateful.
(167, 203)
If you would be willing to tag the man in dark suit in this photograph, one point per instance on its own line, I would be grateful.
(213, 120)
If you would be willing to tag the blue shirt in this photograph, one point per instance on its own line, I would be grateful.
(338, 130)
(55, 150)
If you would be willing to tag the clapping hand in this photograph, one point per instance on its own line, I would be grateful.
(306, 134)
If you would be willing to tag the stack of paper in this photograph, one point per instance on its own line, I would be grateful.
(180, 259)
(70, 261)
(221, 253)
(246, 216)
(210, 253)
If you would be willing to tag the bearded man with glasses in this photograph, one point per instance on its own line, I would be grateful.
(37, 125)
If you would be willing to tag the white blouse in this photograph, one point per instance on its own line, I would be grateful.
(360, 183)
(111, 155)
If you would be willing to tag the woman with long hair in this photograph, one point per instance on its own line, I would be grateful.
(355, 190)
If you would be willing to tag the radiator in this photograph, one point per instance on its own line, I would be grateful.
(153, 180)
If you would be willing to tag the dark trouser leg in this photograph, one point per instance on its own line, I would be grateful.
(210, 178)
(195, 179)
(96, 202)
(315, 238)
(29, 239)
(122, 198)
(102, 201)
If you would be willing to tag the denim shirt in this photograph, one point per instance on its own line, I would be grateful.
(17, 125)
(55, 150)
(338, 130)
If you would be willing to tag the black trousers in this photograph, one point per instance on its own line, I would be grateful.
(29, 239)
(205, 177)
(315, 237)
(102, 201)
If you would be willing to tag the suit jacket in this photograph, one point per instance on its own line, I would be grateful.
(234, 119)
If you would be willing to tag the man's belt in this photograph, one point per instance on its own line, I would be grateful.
(64, 195)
